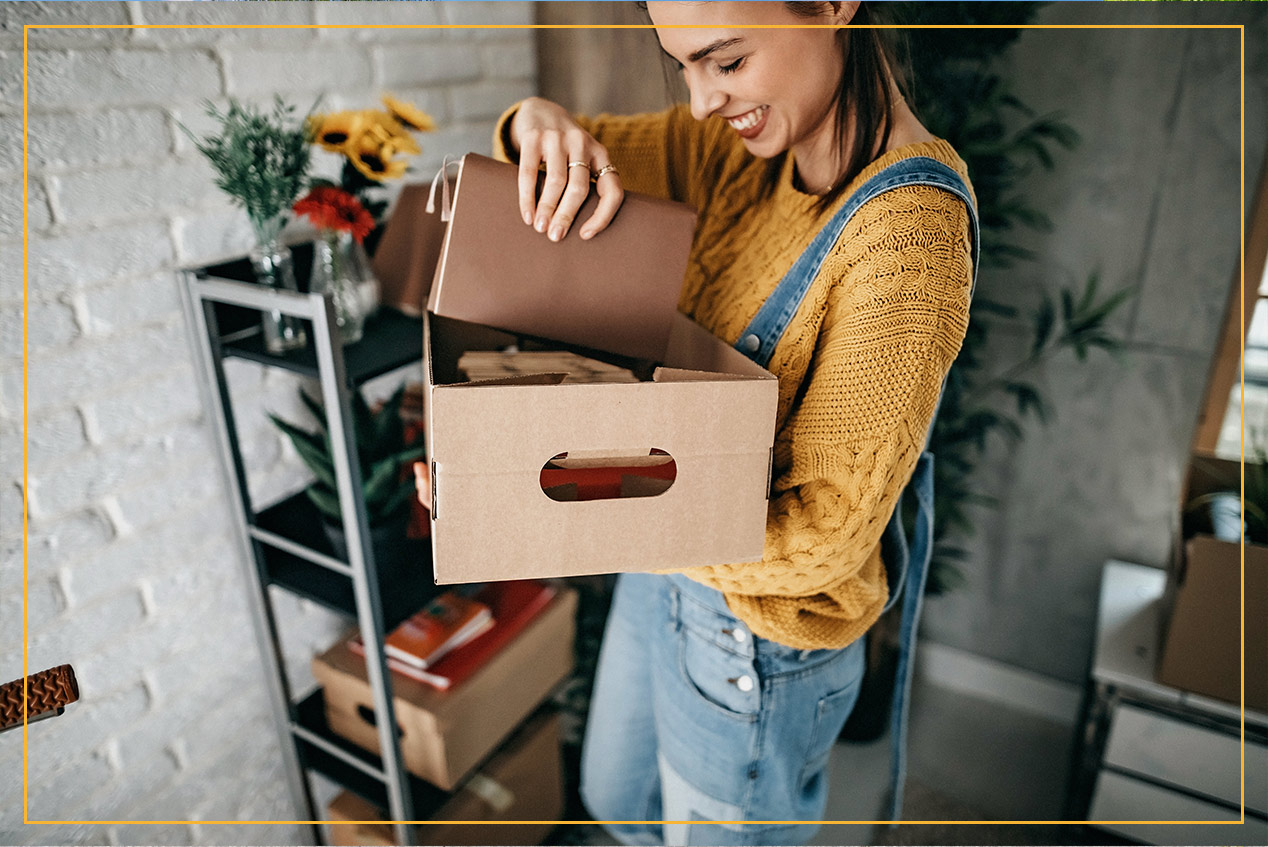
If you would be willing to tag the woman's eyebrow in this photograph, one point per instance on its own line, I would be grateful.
(720, 44)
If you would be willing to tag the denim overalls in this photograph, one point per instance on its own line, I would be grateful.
(904, 562)
(693, 718)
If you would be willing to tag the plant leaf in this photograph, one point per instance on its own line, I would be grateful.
(312, 449)
(325, 501)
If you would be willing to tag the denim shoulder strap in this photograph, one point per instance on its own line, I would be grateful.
(759, 338)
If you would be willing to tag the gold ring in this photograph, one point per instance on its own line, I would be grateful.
(581, 164)
(606, 169)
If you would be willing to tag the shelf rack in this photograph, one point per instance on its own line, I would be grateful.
(284, 544)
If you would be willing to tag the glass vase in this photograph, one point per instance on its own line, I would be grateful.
(341, 268)
(273, 266)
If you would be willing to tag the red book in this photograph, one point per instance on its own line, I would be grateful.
(448, 621)
(514, 605)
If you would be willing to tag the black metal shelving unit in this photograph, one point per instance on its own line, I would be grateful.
(285, 545)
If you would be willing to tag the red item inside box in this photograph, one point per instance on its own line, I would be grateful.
(600, 481)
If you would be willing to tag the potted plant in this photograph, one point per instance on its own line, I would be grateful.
(261, 161)
(384, 452)
(967, 100)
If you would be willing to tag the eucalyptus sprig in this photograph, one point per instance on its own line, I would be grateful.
(260, 158)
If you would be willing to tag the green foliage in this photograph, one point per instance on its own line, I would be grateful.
(381, 450)
(261, 159)
(961, 96)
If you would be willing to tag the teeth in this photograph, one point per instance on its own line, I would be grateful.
(750, 120)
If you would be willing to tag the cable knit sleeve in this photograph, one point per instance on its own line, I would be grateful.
(664, 154)
(895, 316)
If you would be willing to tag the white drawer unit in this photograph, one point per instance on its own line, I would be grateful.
(1153, 763)
(1141, 810)
(1187, 756)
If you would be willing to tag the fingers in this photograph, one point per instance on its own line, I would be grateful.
(574, 195)
(611, 195)
(564, 151)
(530, 158)
(422, 483)
(556, 181)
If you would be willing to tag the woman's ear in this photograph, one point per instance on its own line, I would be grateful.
(843, 13)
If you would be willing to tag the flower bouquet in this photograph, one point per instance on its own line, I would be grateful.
(372, 142)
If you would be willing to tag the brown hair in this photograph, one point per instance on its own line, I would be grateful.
(869, 57)
(868, 60)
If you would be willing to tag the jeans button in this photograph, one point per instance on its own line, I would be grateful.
(744, 683)
(752, 343)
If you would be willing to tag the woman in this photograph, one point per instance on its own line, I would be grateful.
(721, 689)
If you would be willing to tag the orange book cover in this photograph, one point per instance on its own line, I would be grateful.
(448, 621)
(515, 604)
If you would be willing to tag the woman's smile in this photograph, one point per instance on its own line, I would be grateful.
(750, 124)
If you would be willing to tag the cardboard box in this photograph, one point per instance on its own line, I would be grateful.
(444, 734)
(1202, 613)
(523, 781)
(705, 404)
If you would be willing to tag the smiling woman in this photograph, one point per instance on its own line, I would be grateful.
(835, 246)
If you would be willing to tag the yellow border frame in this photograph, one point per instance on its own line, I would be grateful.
(1241, 263)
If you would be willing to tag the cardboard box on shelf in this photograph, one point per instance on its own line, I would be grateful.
(523, 781)
(704, 404)
(1202, 611)
(444, 734)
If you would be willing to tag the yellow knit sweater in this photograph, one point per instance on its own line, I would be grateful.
(859, 367)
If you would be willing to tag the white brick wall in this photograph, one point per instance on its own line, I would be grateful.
(134, 575)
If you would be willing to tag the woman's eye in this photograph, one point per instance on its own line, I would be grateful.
(731, 68)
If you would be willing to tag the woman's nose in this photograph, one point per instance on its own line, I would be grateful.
(705, 100)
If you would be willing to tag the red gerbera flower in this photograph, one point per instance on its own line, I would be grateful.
(333, 208)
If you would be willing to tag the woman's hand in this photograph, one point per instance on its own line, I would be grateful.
(543, 131)
(422, 483)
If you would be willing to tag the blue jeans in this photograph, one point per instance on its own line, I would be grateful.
(693, 718)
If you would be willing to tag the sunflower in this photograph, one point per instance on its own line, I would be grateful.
(334, 130)
(385, 126)
(409, 114)
(372, 152)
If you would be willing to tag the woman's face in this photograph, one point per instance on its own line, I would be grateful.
(775, 87)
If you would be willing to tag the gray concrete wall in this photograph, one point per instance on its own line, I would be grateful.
(133, 575)
(1151, 198)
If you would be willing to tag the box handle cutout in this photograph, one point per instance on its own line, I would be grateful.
(604, 475)
(367, 714)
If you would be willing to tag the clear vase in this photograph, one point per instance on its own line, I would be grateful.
(341, 268)
(271, 260)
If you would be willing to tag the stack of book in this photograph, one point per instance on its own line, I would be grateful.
(454, 635)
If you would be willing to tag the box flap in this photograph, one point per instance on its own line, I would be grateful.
(610, 293)
(694, 348)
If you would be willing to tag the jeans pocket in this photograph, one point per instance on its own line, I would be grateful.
(714, 668)
(830, 715)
